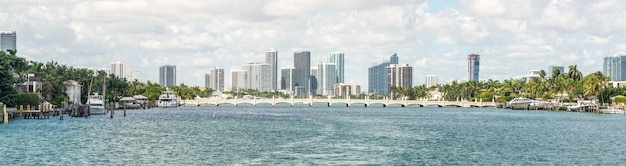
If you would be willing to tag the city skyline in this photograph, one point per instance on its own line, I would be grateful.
(432, 36)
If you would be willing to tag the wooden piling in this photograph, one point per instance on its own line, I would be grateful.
(6, 116)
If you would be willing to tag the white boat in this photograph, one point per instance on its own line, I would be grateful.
(612, 111)
(96, 104)
(168, 99)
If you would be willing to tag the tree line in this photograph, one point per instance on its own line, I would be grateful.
(571, 85)
(51, 75)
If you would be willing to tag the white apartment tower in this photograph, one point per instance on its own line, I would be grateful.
(117, 69)
(400, 75)
(271, 57)
(258, 76)
(431, 80)
(326, 78)
(216, 79)
(238, 79)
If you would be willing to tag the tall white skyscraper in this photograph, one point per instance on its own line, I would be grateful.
(400, 75)
(326, 78)
(258, 76)
(117, 69)
(338, 59)
(271, 57)
(216, 79)
(431, 80)
(8, 41)
(238, 79)
(167, 75)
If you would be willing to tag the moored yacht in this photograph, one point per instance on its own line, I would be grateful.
(168, 99)
(96, 104)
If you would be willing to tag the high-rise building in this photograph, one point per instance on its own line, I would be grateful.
(326, 78)
(338, 59)
(258, 76)
(271, 57)
(286, 79)
(238, 79)
(400, 76)
(431, 80)
(313, 81)
(207, 80)
(394, 59)
(167, 75)
(473, 65)
(615, 67)
(552, 67)
(302, 73)
(377, 76)
(216, 80)
(344, 90)
(8, 41)
(117, 69)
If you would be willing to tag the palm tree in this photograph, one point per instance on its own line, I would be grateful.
(595, 83)
(573, 73)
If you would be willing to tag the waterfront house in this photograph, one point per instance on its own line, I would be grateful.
(31, 86)
(73, 90)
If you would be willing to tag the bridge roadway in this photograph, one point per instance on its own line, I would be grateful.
(333, 103)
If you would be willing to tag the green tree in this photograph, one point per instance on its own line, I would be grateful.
(595, 83)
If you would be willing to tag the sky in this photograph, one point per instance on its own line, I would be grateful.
(435, 37)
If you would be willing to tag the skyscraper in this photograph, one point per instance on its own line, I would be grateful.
(286, 79)
(473, 65)
(302, 73)
(238, 79)
(431, 80)
(117, 69)
(615, 67)
(326, 78)
(8, 41)
(258, 76)
(377, 76)
(400, 76)
(207, 80)
(167, 75)
(313, 81)
(338, 59)
(216, 79)
(271, 57)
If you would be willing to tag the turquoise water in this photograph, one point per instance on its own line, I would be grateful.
(318, 136)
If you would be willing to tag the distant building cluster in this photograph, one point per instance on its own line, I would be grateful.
(385, 75)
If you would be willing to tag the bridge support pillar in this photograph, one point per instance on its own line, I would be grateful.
(330, 101)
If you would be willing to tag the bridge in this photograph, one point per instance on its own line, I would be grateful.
(279, 102)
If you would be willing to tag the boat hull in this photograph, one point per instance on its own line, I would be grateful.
(612, 111)
(167, 104)
(97, 111)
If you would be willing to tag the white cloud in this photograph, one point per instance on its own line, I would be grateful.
(195, 35)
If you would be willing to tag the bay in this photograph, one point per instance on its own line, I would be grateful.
(318, 136)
